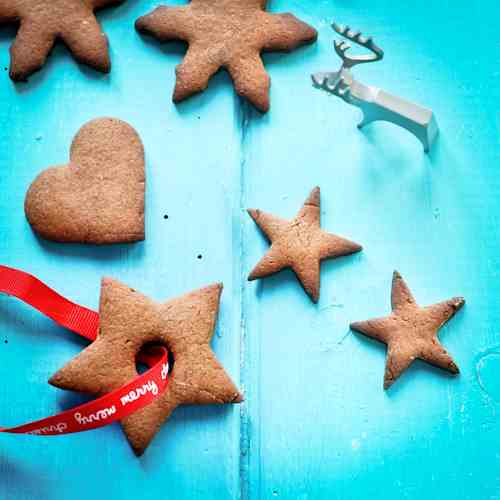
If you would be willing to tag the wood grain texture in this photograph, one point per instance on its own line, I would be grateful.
(316, 423)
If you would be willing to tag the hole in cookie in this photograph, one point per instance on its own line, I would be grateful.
(6, 341)
(199, 256)
(149, 350)
(171, 362)
(165, 216)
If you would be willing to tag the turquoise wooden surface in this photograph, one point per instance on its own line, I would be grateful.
(316, 423)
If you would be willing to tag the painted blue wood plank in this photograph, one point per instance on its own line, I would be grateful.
(316, 423)
(192, 154)
(319, 424)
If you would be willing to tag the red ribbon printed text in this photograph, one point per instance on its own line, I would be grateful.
(116, 405)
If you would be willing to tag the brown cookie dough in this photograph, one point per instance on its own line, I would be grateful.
(42, 22)
(128, 321)
(228, 34)
(299, 244)
(99, 196)
(410, 332)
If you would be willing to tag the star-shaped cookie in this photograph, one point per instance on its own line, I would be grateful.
(130, 321)
(410, 332)
(299, 244)
(228, 34)
(42, 22)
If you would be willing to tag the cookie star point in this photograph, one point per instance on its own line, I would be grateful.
(314, 197)
(411, 331)
(299, 244)
(401, 295)
(253, 213)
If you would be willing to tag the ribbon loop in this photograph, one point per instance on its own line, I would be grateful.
(116, 405)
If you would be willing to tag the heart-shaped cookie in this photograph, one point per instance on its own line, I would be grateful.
(99, 196)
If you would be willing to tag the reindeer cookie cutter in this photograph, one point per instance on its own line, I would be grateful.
(376, 104)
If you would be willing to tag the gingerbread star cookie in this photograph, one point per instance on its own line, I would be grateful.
(411, 331)
(42, 22)
(128, 322)
(299, 244)
(99, 196)
(228, 34)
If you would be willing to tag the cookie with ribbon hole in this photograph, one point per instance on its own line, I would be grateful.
(42, 22)
(128, 322)
(299, 244)
(228, 34)
(99, 196)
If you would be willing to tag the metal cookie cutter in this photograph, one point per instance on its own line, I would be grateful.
(375, 104)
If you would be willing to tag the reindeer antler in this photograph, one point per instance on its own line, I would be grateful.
(341, 47)
(337, 86)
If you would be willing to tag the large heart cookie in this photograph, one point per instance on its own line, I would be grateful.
(99, 196)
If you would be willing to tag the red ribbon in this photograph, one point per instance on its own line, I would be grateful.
(116, 405)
